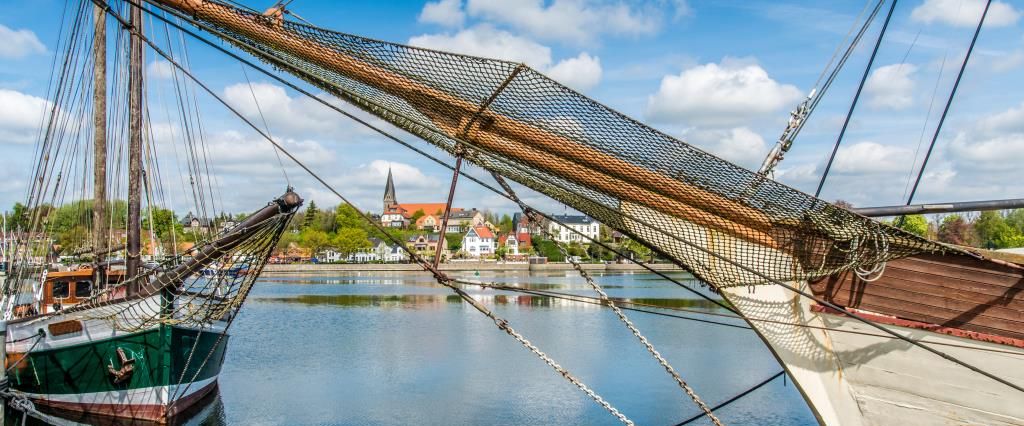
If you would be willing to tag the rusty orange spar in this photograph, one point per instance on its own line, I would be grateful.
(498, 133)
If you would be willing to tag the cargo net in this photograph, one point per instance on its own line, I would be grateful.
(206, 284)
(724, 223)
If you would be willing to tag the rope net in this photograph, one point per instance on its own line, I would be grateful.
(181, 296)
(708, 215)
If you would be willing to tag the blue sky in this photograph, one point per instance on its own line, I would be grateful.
(720, 75)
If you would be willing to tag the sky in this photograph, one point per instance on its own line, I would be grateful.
(721, 75)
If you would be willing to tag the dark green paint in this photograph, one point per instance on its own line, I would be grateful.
(161, 357)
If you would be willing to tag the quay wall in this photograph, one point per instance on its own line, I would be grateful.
(322, 268)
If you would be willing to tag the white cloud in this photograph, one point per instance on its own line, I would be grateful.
(739, 145)
(964, 13)
(20, 116)
(730, 93)
(1009, 121)
(581, 72)
(487, 41)
(160, 69)
(573, 21)
(891, 86)
(447, 13)
(297, 116)
(19, 43)
(871, 157)
(1000, 154)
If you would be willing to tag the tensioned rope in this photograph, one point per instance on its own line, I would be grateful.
(770, 280)
(949, 102)
(442, 278)
(856, 97)
(414, 148)
(611, 304)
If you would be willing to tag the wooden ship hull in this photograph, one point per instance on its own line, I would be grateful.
(737, 231)
(852, 374)
(75, 372)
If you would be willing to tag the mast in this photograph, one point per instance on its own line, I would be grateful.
(100, 233)
(134, 244)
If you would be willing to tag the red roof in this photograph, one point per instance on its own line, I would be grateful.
(483, 232)
(408, 210)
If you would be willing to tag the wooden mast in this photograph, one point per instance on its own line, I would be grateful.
(135, 87)
(100, 232)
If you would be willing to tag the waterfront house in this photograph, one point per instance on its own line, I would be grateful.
(479, 241)
(460, 221)
(583, 224)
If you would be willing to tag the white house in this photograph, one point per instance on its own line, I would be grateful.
(583, 224)
(328, 255)
(478, 242)
(510, 243)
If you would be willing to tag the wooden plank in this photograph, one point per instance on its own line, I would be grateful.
(952, 271)
(951, 285)
(931, 314)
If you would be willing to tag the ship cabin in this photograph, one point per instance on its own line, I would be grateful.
(65, 289)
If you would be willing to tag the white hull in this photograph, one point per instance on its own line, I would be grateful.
(851, 374)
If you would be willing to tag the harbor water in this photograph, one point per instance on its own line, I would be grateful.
(395, 348)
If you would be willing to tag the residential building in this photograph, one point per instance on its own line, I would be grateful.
(479, 241)
(427, 243)
(583, 224)
(399, 215)
(192, 223)
(460, 221)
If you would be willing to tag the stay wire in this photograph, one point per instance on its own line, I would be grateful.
(442, 278)
(504, 326)
(949, 102)
(408, 145)
(856, 98)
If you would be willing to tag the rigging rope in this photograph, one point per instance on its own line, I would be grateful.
(856, 97)
(611, 304)
(441, 278)
(848, 220)
(413, 148)
(949, 101)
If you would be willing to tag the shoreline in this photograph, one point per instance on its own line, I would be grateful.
(320, 268)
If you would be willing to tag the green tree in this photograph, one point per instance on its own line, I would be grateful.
(1016, 220)
(310, 215)
(163, 224)
(993, 231)
(914, 224)
(350, 240)
(314, 239)
(640, 250)
(505, 223)
(454, 242)
(346, 216)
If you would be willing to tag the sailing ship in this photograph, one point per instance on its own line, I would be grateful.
(873, 324)
(107, 333)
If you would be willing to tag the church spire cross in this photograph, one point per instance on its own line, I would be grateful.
(389, 192)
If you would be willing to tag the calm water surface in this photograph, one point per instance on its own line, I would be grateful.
(378, 348)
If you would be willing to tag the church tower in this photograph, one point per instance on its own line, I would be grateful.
(389, 192)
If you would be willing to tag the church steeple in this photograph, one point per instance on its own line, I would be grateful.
(389, 192)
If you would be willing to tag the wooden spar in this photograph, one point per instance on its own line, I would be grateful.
(448, 112)
(100, 234)
(134, 245)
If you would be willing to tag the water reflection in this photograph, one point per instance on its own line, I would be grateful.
(208, 411)
(368, 348)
